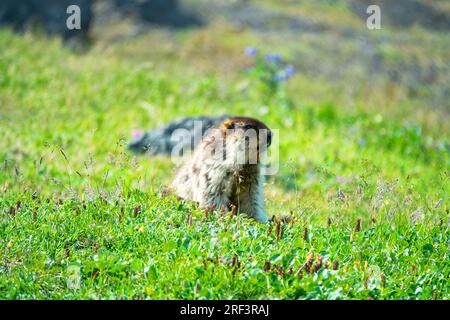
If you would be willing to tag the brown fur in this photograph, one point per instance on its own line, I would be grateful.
(216, 179)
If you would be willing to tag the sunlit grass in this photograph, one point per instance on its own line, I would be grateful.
(80, 217)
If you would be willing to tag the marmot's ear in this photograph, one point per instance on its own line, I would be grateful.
(228, 124)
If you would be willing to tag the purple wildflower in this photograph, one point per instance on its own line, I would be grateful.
(137, 133)
(251, 51)
(341, 179)
(290, 70)
(281, 77)
(272, 58)
(285, 74)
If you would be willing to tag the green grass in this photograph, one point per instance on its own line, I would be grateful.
(69, 227)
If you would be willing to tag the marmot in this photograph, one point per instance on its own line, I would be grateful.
(224, 169)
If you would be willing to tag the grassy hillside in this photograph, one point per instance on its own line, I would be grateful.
(360, 200)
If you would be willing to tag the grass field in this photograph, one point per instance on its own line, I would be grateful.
(365, 184)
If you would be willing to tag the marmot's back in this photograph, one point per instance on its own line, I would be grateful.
(161, 142)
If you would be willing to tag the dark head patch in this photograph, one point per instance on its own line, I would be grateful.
(244, 123)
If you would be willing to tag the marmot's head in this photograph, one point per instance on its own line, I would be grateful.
(245, 139)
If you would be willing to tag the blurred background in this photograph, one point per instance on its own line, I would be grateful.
(327, 41)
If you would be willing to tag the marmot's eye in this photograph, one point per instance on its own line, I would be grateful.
(248, 126)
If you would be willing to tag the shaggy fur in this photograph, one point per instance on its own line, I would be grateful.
(224, 170)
